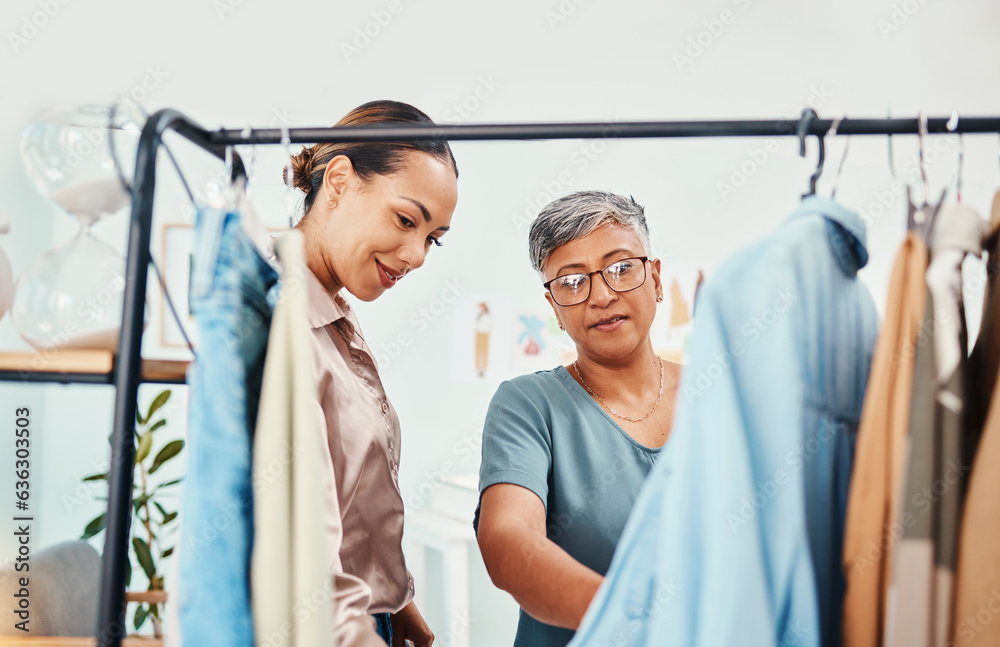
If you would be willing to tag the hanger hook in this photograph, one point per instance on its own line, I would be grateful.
(805, 122)
(952, 127)
(892, 164)
(247, 134)
(286, 141)
(229, 163)
(921, 131)
(843, 158)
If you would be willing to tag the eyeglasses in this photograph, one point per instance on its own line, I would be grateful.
(621, 276)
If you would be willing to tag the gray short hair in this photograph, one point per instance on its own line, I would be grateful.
(577, 215)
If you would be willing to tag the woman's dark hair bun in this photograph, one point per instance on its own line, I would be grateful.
(368, 158)
(302, 168)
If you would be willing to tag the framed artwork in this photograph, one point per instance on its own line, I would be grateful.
(175, 264)
(481, 338)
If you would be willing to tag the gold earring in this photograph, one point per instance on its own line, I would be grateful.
(659, 298)
(561, 326)
(331, 203)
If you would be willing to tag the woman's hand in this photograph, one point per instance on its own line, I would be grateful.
(408, 624)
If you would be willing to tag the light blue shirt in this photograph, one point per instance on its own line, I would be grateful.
(545, 433)
(736, 537)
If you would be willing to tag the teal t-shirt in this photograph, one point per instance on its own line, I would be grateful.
(544, 432)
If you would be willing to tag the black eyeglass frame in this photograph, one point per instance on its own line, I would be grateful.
(590, 279)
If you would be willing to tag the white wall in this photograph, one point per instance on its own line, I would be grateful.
(262, 62)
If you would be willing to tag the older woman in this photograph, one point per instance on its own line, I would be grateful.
(565, 451)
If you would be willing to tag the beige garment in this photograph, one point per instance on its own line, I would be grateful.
(873, 502)
(288, 542)
(977, 578)
(922, 580)
(362, 433)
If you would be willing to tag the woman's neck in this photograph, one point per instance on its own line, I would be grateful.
(632, 374)
(316, 259)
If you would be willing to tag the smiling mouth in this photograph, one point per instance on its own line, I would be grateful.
(387, 276)
(609, 321)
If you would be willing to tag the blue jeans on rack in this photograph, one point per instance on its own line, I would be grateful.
(232, 293)
(384, 627)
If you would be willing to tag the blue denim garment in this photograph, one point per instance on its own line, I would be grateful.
(232, 294)
(383, 625)
(736, 536)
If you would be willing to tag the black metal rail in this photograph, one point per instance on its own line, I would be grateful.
(111, 609)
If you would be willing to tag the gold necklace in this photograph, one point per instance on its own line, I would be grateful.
(576, 367)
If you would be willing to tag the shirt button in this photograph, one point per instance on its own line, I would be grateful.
(385, 408)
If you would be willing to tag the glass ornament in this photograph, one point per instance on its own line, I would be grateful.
(80, 158)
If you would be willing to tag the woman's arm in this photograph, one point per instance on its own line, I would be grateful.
(549, 585)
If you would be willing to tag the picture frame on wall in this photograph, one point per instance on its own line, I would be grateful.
(176, 263)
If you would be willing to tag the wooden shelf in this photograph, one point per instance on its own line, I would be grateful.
(67, 641)
(86, 366)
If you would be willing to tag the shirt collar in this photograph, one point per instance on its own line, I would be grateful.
(326, 308)
(846, 233)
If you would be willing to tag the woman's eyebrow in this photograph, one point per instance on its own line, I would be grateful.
(420, 205)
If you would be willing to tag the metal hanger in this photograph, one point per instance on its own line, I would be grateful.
(952, 125)
(805, 121)
(920, 220)
(289, 197)
(247, 134)
(843, 158)
(892, 164)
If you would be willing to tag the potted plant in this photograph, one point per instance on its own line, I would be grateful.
(151, 519)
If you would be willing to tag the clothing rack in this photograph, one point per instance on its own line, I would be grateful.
(126, 375)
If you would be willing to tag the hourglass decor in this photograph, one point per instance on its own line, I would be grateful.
(6, 275)
(80, 158)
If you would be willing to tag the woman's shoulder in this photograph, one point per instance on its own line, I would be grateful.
(551, 378)
(538, 386)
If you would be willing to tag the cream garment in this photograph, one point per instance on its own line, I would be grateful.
(290, 590)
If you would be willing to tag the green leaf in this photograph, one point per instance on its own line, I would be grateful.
(140, 616)
(144, 556)
(95, 526)
(168, 552)
(168, 483)
(138, 418)
(159, 507)
(169, 450)
(156, 425)
(158, 402)
(96, 477)
(170, 517)
(145, 444)
(140, 501)
(128, 571)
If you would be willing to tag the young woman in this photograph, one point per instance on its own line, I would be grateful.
(373, 211)
(565, 451)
